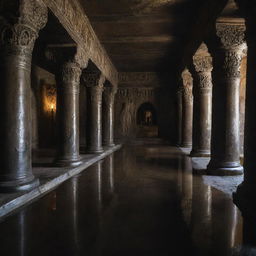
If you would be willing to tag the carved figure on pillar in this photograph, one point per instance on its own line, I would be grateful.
(95, 86)
(225, 147)
(108, 115)
(17, 43)
(68, 114)
(187, 108)
(202, 117)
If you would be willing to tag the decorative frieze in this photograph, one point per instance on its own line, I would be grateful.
(142, 93)
(140, 78)
(75, 21)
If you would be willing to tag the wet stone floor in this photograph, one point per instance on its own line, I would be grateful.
(141, 201)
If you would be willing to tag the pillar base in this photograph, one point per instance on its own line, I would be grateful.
(68, 162)
(17, 186)
(186, 145)
(200, 153)
(225, 169)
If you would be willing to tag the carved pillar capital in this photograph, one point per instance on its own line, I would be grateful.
(18, 37)
(202, 63)
(187, 85)
(70, 75)
(109, 95)
(232, 38)
(94, 79)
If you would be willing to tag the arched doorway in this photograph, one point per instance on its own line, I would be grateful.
(147, 121)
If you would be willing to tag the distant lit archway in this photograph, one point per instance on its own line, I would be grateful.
(147, 120)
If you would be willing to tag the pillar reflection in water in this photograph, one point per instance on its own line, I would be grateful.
(187, 189)
(225, 225)
(108, 180)
(67, 211)
(179, 174)
(201, 215)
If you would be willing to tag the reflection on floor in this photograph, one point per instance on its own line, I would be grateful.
(141, 201)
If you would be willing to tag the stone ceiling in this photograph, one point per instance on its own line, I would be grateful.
(144, 35)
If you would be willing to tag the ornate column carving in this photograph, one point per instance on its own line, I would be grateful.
(108, 116)
(202, 118)
(187, 109)
(18, 32)
(225, 147)
(68, 114)
(95, 86)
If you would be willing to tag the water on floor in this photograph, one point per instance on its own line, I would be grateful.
(142, 201)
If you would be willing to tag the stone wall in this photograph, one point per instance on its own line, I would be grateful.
(135, 89)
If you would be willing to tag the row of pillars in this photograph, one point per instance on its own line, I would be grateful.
(101, 95)
(209, 101)
(17, 44)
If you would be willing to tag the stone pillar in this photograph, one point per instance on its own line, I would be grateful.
(225, 147)
(202, 117)
(179, 117)
(245, 197)
(95, 89)
(187, 109)
(17, 43)
(108, 116)
(68, 114)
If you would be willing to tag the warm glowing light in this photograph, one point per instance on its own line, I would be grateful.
(49, 99)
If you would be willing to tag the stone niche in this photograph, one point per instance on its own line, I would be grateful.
(43, 99)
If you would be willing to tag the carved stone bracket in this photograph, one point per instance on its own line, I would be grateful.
(81, 58)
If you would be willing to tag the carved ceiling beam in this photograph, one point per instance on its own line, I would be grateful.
(74, 20)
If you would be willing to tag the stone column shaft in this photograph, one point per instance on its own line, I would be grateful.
(68, 114)
(187, 109)
(245, 196)
(17, 43)
(225, 158)
(94, 121)
(179, 117)
(108, 116)
(202, 118)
